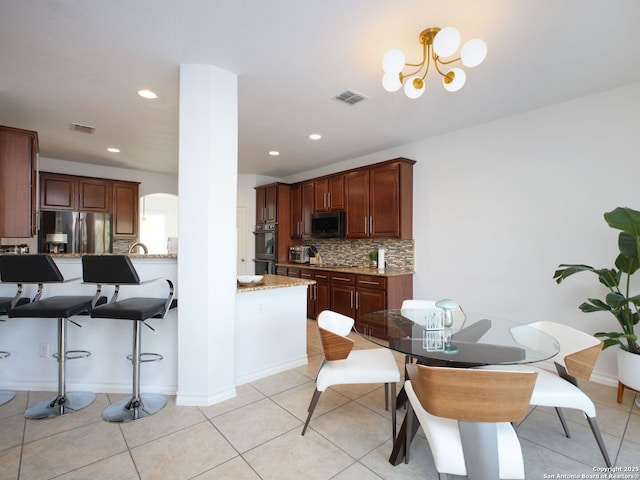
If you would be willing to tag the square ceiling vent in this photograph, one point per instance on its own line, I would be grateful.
(350, 97)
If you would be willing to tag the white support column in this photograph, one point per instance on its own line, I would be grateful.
(208, 157)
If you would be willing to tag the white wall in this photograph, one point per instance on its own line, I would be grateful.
(497, 207)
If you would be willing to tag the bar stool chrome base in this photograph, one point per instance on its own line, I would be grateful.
(129, 409)
(60, 405)
(6, 396)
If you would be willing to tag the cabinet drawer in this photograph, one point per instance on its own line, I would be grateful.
(281, 271)
(343, 278)
(371, 281)
(307, 274)
(293, 272)
(322, 276)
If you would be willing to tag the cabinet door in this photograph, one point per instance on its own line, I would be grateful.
(261, 205)
(18, 152)
(307, 193)
(329, 193)
(356, 188)
(58, 192)
(301, 209)
(336, 192)
(267, 204)
(367, 301)
(343, 299)
(125, 209)
(296, 211)
(384, 198)
(323, 296)
(311, 293)
(271, 204)
(94, 195)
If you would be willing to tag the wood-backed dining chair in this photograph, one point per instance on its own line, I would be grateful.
(446, 400)
(342, 365)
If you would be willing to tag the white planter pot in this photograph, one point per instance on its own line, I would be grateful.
(629, 369)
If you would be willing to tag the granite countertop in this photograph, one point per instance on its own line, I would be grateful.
(389, 272)
(274, 281)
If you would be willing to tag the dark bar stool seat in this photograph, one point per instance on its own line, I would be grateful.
(6, 304)
(118, 270)
(40, 270)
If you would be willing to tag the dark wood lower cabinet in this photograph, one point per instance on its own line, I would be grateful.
(353, 295)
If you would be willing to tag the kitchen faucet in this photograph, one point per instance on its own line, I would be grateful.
(138, 244)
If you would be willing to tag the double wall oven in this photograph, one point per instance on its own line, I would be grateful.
(266, 237)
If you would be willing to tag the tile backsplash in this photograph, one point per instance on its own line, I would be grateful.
(398, 253)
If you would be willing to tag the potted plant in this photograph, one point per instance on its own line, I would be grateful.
(373, 258)
(619, 301)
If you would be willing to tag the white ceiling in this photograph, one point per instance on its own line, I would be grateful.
(64, 61)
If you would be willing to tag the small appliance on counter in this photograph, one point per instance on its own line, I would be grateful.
(299, 254)
(22, 249)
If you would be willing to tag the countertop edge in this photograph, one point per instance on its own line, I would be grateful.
(389, 272)
(276, 281)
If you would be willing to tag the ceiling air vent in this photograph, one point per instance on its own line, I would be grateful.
(78, 127)
(350, 97)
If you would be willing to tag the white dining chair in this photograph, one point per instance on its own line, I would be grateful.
(342, 365)
(444, 399)
(578, 354)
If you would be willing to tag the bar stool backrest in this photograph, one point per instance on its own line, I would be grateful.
(109, 269)
(29, 269)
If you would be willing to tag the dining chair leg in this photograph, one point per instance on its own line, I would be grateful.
(563, 422)
(312, 407)
(386, 396)
(393, 410)
(598, 436)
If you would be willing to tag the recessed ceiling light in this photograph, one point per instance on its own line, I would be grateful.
(147, 94)
(315, 136)
(274, 153)
(113, 150)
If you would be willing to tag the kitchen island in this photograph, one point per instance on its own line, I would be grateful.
(271, 327)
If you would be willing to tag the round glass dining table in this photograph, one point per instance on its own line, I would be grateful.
(472, 340)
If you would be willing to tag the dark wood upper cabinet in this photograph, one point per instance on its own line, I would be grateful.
(88, 194)
(58, 192)
(301, 209)
(94, 195)
(125, 209)
(18, 160)
(329, 193)
(379, 201)
(267, 204)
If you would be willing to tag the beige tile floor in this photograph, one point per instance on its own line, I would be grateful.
(256, 435)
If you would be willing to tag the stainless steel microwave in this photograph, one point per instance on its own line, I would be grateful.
(327, 224)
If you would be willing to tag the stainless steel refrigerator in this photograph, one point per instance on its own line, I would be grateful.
(75, 232)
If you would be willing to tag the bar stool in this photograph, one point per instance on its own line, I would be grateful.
(40, 270)
(7, 303)
(118, 270)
